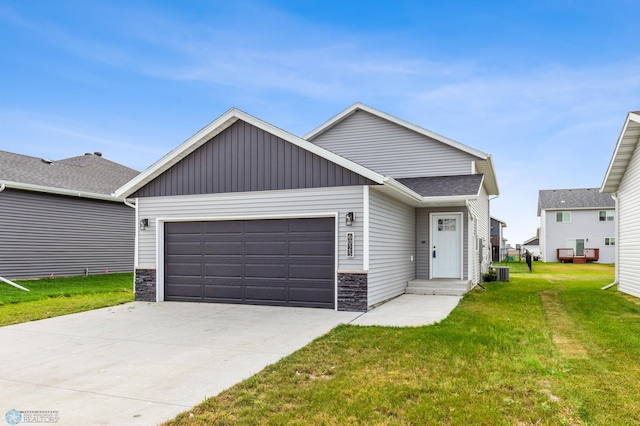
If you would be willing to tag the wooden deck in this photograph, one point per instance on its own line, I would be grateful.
(568, 255)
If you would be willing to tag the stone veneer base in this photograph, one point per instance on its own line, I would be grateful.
(352, 292)
(145, 287)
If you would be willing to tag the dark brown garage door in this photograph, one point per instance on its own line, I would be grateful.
(286, 262)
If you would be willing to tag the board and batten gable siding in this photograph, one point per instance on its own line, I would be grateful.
(43, 234)
(260, 204)
(423, 250)
(246, 158)
(392, 233)
(629, 228)
(584, 224)
(391, 149)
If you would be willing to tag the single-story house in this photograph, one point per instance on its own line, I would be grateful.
(622, 181)
(60, 217)
(342, 218)
(576, 225)
(498, 241)
(533, 246)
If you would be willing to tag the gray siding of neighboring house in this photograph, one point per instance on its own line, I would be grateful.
(287, 203)
(391, 149)
(245, 158)
(43, 234)
(392, 245)
(629, 228)
(423, 250)
(585, 225)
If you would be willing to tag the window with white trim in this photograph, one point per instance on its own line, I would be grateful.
(610, 241)
(606, 215)
(563, 216)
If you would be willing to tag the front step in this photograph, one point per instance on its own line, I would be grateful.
(438, 287)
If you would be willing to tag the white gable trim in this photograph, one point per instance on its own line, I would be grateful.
(625, 146)
(219, 125)
(359, 106)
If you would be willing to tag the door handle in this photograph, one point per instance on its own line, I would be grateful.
(434, 252)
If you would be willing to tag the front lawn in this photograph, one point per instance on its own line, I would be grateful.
(549, 347)
(50, 297)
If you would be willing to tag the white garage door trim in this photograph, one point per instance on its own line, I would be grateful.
(160, 221)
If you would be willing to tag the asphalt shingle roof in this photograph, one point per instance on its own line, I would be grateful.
(86, 173)
(577, 198)
(442, 186)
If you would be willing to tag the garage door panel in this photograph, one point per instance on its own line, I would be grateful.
(256, 293)
(264, 270)
(229, 290)
(223, 270)
(311, 248)
(266, 226)
(309, 271)
(223, 248)
(287, 262)
(266, 248)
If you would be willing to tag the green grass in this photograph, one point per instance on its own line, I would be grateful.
(49, 297)
(549, 347)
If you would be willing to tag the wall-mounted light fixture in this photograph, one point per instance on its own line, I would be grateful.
(350, 217)
(144, 223)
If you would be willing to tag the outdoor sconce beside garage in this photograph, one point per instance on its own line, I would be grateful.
(144, 223)
(350, 217)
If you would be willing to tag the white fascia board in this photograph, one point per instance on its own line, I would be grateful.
(359, 106)
(219, 125)
(60, 191)
(610, 183)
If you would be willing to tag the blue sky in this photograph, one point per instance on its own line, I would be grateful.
(543, 86)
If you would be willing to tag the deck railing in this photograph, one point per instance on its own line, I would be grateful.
(568, 255)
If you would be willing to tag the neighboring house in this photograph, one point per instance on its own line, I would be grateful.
(60, 217)
(576, 225)
(533, 245)
(622, 180)
(344, 218)
(498, 248)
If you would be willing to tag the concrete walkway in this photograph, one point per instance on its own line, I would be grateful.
(144, 363)
(410, 310)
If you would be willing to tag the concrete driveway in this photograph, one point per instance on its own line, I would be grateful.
(143, 363)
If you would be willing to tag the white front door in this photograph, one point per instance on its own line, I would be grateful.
(446, 246)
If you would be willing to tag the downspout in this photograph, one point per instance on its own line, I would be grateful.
(127, 203)
(12, 283)
(616, 232)
(475, 242)
(2, 187)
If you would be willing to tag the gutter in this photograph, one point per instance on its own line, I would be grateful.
(615, 280)
(59, 191)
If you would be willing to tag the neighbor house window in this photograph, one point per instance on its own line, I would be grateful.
(610, 241)
(563, 216)
(605, 215)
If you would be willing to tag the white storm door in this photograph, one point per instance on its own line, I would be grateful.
(446, 246)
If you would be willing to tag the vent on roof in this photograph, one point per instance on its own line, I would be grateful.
(99, 154)
(88, 153)
(46, 161)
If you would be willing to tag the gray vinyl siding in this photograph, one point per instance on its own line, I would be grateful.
(391, 149)
(480, 209)
(245, 158)
(392, 244)
(629, 228)
(423, 251)
(290, 203)
(43, 234)
(584, 224)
